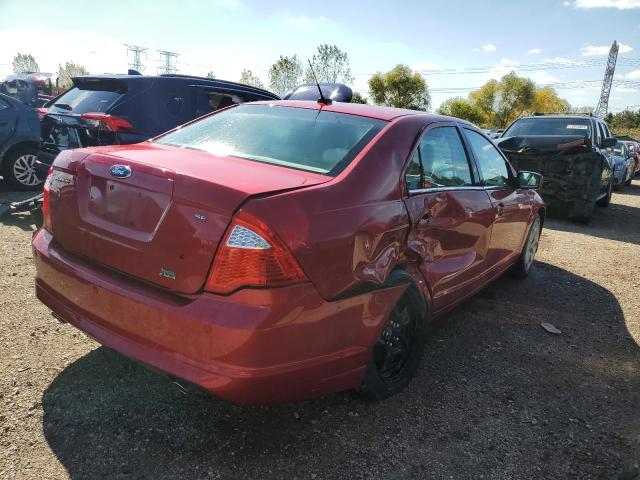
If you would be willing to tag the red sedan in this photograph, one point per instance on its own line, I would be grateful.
(280, 250)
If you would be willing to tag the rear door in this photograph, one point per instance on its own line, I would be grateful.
(7, 120)
(511, 206)
(451, 215)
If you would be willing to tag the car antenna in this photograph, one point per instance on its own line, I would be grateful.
(322, 100)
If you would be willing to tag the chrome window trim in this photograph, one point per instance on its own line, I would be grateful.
(446, 189)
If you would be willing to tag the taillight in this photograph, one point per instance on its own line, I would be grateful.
(46, 199)
(110, 122)
(251, 255)
(41, 111)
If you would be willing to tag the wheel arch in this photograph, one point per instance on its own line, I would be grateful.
(407, 273)
(16, 146)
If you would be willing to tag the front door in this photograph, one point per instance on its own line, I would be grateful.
(512, 206)
(451, 216)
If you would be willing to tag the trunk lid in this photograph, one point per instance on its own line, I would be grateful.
(162, 222)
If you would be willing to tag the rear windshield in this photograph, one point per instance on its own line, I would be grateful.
(305, 139)
(549, 126)
(80, 100)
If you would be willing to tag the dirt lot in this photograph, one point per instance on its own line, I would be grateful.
(497, 396)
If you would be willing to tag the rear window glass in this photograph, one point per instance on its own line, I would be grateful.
(317, 141)
(549, 126)
(79, 100)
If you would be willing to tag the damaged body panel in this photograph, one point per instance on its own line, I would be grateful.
(576, 175)
(571, 156)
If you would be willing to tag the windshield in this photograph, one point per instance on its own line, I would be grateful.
(549, 126)
(619, 150)
(306, 139)
(79, 100)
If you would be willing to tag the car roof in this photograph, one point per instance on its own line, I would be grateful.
(214, 82)
(371, 111)
(562, 115)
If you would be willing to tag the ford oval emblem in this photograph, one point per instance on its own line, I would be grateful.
(120, 171)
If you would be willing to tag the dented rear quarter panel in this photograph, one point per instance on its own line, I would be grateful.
(351, 232)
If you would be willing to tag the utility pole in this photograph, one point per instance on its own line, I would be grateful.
(603, 103)
(169, 57)
(137, 51)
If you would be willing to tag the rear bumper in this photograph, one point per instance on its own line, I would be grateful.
(252, 347)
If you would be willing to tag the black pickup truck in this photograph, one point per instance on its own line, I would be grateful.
(572, 152)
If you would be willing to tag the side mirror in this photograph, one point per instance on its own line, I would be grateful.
(529, 180)
(609, 142)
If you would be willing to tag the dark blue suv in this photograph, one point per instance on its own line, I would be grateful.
(124, 109)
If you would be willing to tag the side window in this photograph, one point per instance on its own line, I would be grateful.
(597, 135)
(492, 165)
(603, 133)
(3, 105)
(210, 101)
(414, 173)
(440, 161)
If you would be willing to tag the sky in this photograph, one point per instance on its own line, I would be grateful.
(456, 45)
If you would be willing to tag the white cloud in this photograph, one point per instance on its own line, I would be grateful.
(542, 77)
(635, 75)
(535, 51)
(619, 4)
(566, 3)
(593, 50)
(298, 22)
(425, 65)
(563, 61)
(509, 62)
(487, 47)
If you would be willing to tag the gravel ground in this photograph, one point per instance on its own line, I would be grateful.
(497, 397)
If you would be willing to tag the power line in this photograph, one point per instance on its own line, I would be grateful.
(137, 51)
(531, 67)
(576, 84)
(169, 58)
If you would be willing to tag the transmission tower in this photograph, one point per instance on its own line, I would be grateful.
(137, 51)
(603, 103)
(168, 57)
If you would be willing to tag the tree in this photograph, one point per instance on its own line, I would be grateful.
(330, 64)
(248, 78)
(546, 100)
(400, 87)
(502, 102)
(210, 74)
(461, 108)
(285, 74)
(69, 70)
(357, 98)
(25, 63)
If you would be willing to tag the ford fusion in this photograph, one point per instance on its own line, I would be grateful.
(275, 251)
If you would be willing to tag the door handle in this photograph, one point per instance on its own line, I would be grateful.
(500, 209)
(2, 124)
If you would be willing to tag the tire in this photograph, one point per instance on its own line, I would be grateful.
(628, 182)
(396, 355)
(18, 169)
(525, 260)
(583, 214)
(605, 201)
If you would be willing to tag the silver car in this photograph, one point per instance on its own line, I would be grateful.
(624, 165)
